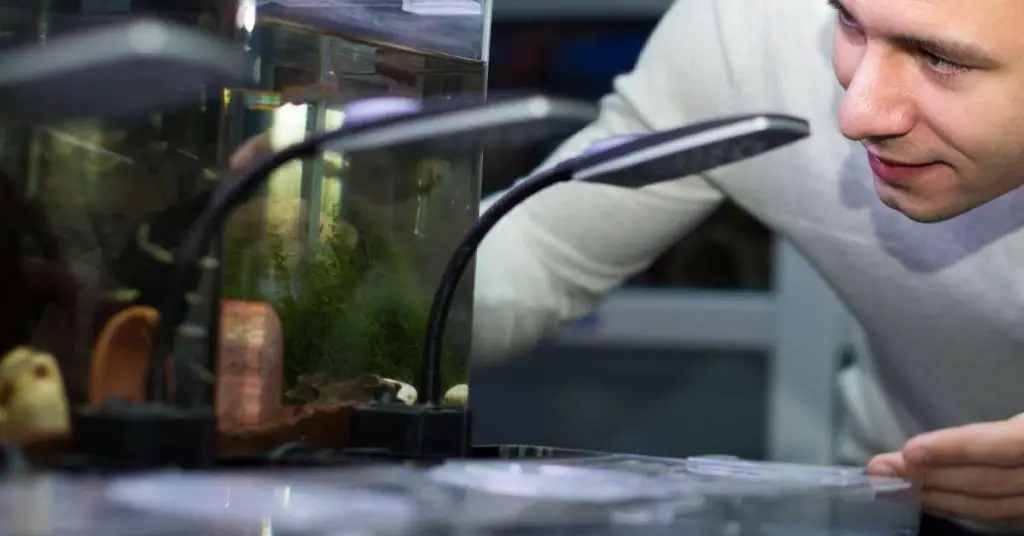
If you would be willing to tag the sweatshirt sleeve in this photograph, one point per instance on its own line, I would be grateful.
(553, 258)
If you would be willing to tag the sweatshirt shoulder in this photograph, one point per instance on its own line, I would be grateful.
(742, 27)
(743, 45)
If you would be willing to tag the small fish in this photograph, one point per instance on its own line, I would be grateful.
(155, 251)
(124, 295)
(145, 263)
(192, 331)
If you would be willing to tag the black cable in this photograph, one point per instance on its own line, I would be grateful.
(430, 377)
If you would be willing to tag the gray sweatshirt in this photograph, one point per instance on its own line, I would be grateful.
(938, 303)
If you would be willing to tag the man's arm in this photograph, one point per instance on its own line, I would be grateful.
(552, 259)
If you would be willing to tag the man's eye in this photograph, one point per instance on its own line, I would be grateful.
(843, 15)
(943, 66)
(846, 20)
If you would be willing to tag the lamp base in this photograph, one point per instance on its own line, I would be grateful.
(412, 430)
(134, 437)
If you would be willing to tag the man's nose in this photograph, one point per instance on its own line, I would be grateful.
(877, 103)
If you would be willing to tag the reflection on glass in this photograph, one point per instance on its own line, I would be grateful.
(92, 212)
(325, 278)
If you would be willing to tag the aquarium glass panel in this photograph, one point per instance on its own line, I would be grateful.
(325, 277)
(339, 256)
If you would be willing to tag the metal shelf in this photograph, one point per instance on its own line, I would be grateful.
(674, 317)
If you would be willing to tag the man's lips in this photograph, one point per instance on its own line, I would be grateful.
(896, 171)
(896, 162)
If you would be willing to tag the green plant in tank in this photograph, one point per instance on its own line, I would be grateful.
(352, 306)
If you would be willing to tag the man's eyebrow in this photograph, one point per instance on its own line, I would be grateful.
(967, 54)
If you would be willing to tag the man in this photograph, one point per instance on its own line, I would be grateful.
(907, 201)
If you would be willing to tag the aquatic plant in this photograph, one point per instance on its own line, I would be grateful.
(353, 304)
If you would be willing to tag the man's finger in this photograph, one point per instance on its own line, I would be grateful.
(975, 480)
(1004, 510)
(995, 443)
(888, 464)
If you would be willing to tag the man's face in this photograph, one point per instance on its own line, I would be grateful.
(935, 92)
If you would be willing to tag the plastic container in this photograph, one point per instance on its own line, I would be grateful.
(749, 497)
(546, 498)
(478, 499)
(228, 504)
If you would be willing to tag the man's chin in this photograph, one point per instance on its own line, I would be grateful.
(916, 209)
(921, 216)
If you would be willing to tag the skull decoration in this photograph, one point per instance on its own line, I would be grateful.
(457, 395)
(403, 391)
(32, 397)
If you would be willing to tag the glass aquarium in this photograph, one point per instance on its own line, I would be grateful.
(324, 280)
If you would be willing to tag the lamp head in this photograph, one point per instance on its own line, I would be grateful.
(636, 161)
(458, 125)
(365, 111)
(116, 71)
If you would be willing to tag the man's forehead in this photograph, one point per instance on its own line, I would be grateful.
(963, 13)
(989, 25)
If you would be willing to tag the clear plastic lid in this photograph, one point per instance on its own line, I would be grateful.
(169, 503)
(245, 499)
(790, 474)
(555, 482)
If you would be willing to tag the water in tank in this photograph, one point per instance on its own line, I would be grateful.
(325, 278)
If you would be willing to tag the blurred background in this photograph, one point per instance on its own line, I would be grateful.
(728, 344)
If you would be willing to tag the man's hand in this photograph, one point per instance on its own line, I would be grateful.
(973, 472)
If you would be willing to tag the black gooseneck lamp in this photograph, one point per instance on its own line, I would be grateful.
(178, 431)
(627, 161)
(431, 429)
